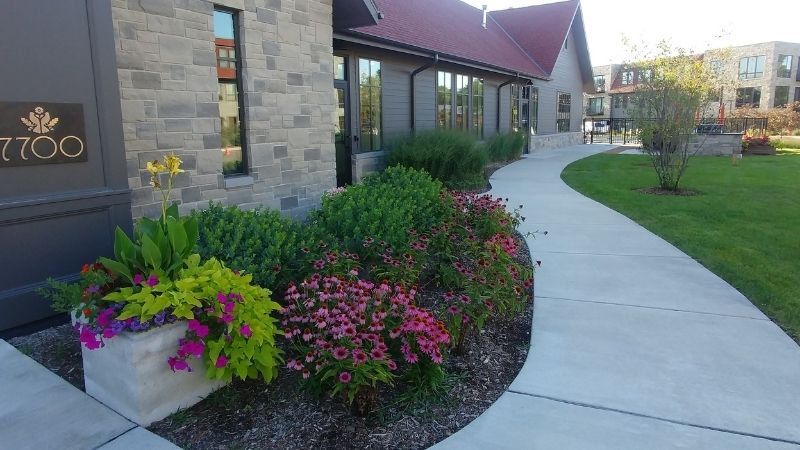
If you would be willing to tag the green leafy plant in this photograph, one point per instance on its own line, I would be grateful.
(504, 147)
(229, 318)
(383, 207)
(261, 242)
(161, 246)
(449, 156)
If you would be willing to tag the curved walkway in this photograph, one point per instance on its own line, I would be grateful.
(635, 345)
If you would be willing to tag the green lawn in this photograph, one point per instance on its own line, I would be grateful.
(745, 227)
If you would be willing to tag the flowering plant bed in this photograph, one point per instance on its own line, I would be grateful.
(250, 414)
(399, 296)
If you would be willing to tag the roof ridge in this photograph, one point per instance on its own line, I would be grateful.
(524, 52)
(532, 6)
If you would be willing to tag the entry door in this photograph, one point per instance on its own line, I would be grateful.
(525, 117)
(344, 149)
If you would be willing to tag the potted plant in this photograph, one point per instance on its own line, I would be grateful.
(757, 145)
(160, 328)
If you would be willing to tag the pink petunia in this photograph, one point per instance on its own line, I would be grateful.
(245, 331)
(221, 362)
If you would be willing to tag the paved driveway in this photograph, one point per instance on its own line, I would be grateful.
(635, 345)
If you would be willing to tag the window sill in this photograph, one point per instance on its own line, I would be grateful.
(239, 181)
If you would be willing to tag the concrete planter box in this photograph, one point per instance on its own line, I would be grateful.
(131, 375)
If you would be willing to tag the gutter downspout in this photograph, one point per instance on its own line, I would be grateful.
(504, 84)
(413, 93)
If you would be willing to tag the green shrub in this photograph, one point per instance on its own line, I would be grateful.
(261, 242)
(383, 207)
(504, 147)
(449, 156)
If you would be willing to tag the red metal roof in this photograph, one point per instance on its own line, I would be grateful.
(526, 40)
(540, 29)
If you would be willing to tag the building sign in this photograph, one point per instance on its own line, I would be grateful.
(41, 133)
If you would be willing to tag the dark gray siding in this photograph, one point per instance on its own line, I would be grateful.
(566, 77)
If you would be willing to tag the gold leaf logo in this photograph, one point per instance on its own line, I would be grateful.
(39, 121)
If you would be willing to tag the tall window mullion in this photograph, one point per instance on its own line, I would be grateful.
(444, 99)
(370, 91)
(462, 102)
(515, 107)
(477, 107)
(231, 102)
(534, 119)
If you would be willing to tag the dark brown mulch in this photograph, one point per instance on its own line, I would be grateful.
(677, 192)
(254, 415)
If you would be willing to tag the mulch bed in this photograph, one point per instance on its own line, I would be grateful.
(677, 192)
(254, 415)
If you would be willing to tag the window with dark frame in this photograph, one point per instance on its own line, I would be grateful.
(563, 115)
(444, 99)
(600, 83)
(627, 77)
(534, 119)
(339, 68)
(781, 96)
(797, 94)
(462, 102)
(595, 106)
(617, 101)
(750, 96)
(477, 107)
(784, 66)
(230, 94)
(369, 80)
(645, 75)
(751, 67)
(515, 107)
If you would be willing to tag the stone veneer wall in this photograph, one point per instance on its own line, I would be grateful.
(717, 144)
(553, 141)
(169, 91)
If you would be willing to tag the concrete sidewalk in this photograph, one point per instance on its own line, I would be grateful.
(635, 345)
(39, 411)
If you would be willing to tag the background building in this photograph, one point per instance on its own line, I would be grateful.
(761, 76)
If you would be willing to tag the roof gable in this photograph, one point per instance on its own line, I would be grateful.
(452, 28)
(540, 30)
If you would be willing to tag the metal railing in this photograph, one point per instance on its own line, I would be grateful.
(625, 131)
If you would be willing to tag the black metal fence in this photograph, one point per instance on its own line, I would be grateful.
(606, 130)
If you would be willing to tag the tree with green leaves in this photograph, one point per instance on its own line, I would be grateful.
(674, 87)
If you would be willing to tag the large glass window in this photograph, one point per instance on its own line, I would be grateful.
(781, 96)
(369, 79)
(444, 99)
(797, 94)
(784, 66)
(595, 107)
(462, 102)
(627, 77)
(515, 107)
(534, 110)
(230, 96)
(645, 75)
(477, 107)
(750, 96)
(563, 115)
(751, 67)
(600, 83)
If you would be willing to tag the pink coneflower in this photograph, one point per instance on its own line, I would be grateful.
(306, 374)
(359, 357)
(464, 299)
(307, 335)
(377, 353)
(350, 331)
(345, 377)
(453, 309)
(411, 357)
(309, 357)
(391, 364)
(340, 353)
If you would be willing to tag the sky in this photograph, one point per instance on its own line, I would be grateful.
(695, 25)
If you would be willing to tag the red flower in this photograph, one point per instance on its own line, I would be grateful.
(86, 268)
